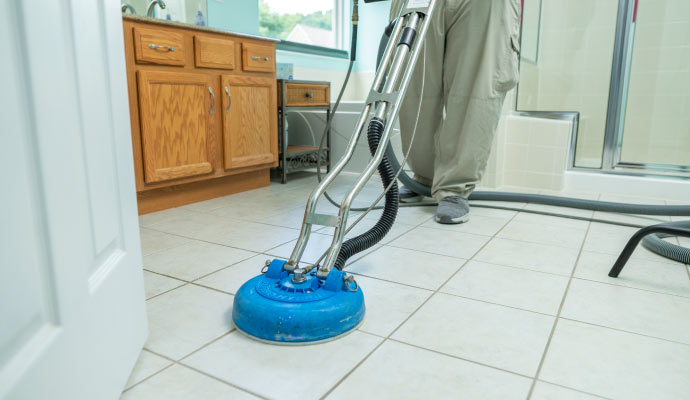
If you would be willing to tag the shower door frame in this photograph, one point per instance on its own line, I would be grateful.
(618, 92)
(616, 108)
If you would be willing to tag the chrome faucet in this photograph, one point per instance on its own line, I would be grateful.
(152, 4)
(127, 6)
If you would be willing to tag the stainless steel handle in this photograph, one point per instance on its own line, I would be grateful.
(155, 46)
(213, 100)
(227, 109)
(259, 58)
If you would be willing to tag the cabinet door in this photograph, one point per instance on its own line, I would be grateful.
(250, 121)
(175, 111)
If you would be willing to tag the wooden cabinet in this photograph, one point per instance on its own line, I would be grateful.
(250, 131)
(174, 110)
(204, 120)
(155, 47)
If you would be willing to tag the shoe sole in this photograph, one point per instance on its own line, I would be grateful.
(449, 221)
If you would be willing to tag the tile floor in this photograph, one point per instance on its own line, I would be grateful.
(508, 305)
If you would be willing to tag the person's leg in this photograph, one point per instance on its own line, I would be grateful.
(429, 78)
(480, 66)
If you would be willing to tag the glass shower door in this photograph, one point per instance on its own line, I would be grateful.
(655, 132)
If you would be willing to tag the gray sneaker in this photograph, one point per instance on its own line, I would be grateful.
(408, 196)
(452, 210)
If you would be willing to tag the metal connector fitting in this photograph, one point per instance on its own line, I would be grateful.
(299, 275)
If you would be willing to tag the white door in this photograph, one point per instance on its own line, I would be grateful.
(72, 311)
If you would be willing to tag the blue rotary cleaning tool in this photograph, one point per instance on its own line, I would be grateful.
(284, 307)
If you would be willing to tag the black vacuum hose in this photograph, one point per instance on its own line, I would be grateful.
(390, 209)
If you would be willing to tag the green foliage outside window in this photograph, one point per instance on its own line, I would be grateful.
(279, 26)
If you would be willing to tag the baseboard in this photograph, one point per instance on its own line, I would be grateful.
(179, 195)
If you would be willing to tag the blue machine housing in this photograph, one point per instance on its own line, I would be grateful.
(272, 307)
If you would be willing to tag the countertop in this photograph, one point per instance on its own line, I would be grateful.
(140, 18)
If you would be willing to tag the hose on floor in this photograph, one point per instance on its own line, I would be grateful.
(390, 209)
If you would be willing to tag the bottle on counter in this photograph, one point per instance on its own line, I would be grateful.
(200, 19)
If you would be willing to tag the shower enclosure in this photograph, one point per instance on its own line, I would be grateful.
(624, 67)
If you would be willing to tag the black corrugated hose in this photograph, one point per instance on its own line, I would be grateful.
(390, 209)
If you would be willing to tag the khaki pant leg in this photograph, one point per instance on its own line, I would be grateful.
(427, 76)
(479, 67)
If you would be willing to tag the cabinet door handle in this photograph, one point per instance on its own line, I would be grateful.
(255, 58)
(155, 46)
(309, 95)
(213, 100)
(227, 109)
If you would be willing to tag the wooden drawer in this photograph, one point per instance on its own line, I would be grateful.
(158, 47)
(258, 58)
(305, 94)
(214, 52)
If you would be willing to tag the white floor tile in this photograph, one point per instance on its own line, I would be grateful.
(188, 224)
(443, 242)
(388, 304)
(548, 391)
(155, 284)
(547, 220)
(611, 239)
(210, 205)
(147, 365)
(154, 241)
(186, 318)
(365, 224)
(282, 372)
(194, 260)
(477, 210)
(520, 288)
(230, 279)
(258, 207)
(543, 234)
(638, 273)
(477, 225)
(248, 235)
(180, 383)
(399, 371)
(534, 256)
(408, 267)
(166, 216)
(291, 218)
(616, 364)
(316, 246)
(653, 314)
(494, 335)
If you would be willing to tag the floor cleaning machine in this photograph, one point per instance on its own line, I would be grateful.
(293, 303)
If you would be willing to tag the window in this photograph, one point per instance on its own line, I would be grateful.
(310, 22)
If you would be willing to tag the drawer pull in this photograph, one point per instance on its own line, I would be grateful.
(309, 95)
(155, 46)
(227, 109)
(213, 100)
(255, 58)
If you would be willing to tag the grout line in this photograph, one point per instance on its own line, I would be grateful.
(225, 245)
(223, 382)
(460, 358)
(148, 377)
(634, 288)
(388, 337)
(626, 331)
(560, 309)
(577, 390)
(226, 267)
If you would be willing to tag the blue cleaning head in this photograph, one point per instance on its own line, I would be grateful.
(273, 307)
